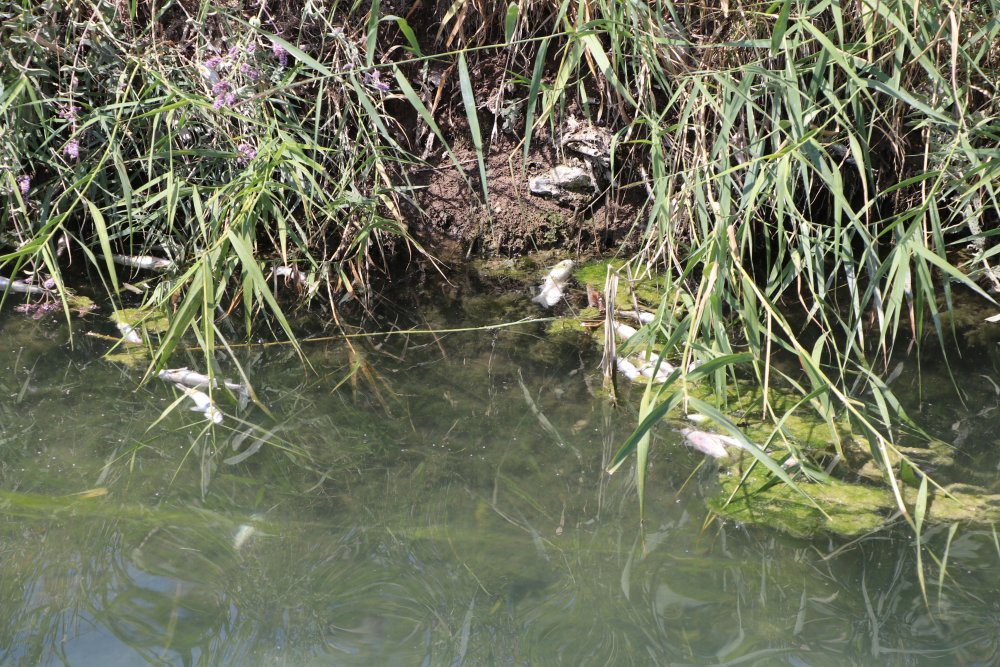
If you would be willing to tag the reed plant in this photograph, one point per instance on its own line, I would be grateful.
(199, 135)
(819, 177)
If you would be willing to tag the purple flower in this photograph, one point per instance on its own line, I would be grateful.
(49, 284)
(376, 82)
(72, 149)
(24, 184)
(233, 52)
(247, 153)
(219, 102)
(68, 112)
(221, 87)
(229, 99)
(213, 62)
(280, 53)
(251, 48)
(249, 71)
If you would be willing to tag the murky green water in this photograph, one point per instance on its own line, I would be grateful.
(409, 507)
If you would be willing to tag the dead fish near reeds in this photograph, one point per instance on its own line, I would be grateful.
(147, 262)
(643, 317)
(202, 403)
(552, 289)
(289, 273)
(196, 380)
(638, 368)
(129, 334)
(21, 287)
(712, 444)
(627, 368)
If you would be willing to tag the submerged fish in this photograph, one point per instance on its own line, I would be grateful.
(196, 380)
(129, 334)
(202, 403)
(712, 444)
(143, 262)
(551, 290)
(21, 287)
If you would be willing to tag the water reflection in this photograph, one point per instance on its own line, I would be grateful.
(423, 501)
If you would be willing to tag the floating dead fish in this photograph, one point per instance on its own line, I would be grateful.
(661, 374)
(627, 368)
(551, 290)
(712, 444)
(290, 273)
(129, 334)
(624, 331)
(195, 380)
(147, 262)
(22, 287)
(639, 315)
(202, 403)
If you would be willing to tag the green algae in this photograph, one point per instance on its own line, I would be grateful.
(131, 356)
(648, 291)
(839, 507)
(852, 500)
(835, 507)
(855, 497)
(151, 321)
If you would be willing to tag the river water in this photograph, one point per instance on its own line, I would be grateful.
(422, 499)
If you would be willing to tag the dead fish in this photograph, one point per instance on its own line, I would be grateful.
(627, 368)
(195, 380)
(202, 403)
(641, 315)
(22, 287)
(290, 273)
(551, 290)
(712, 444)
(624, 331)
(147, 262)
(129, 334)
(662, 374)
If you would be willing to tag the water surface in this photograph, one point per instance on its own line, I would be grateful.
(420, 500)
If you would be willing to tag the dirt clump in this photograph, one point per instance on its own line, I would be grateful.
(451, 208)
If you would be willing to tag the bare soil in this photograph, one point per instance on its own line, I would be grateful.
(453, 217)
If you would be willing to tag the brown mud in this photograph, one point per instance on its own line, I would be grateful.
(452, 218)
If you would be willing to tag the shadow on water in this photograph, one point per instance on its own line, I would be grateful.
(408, 505)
